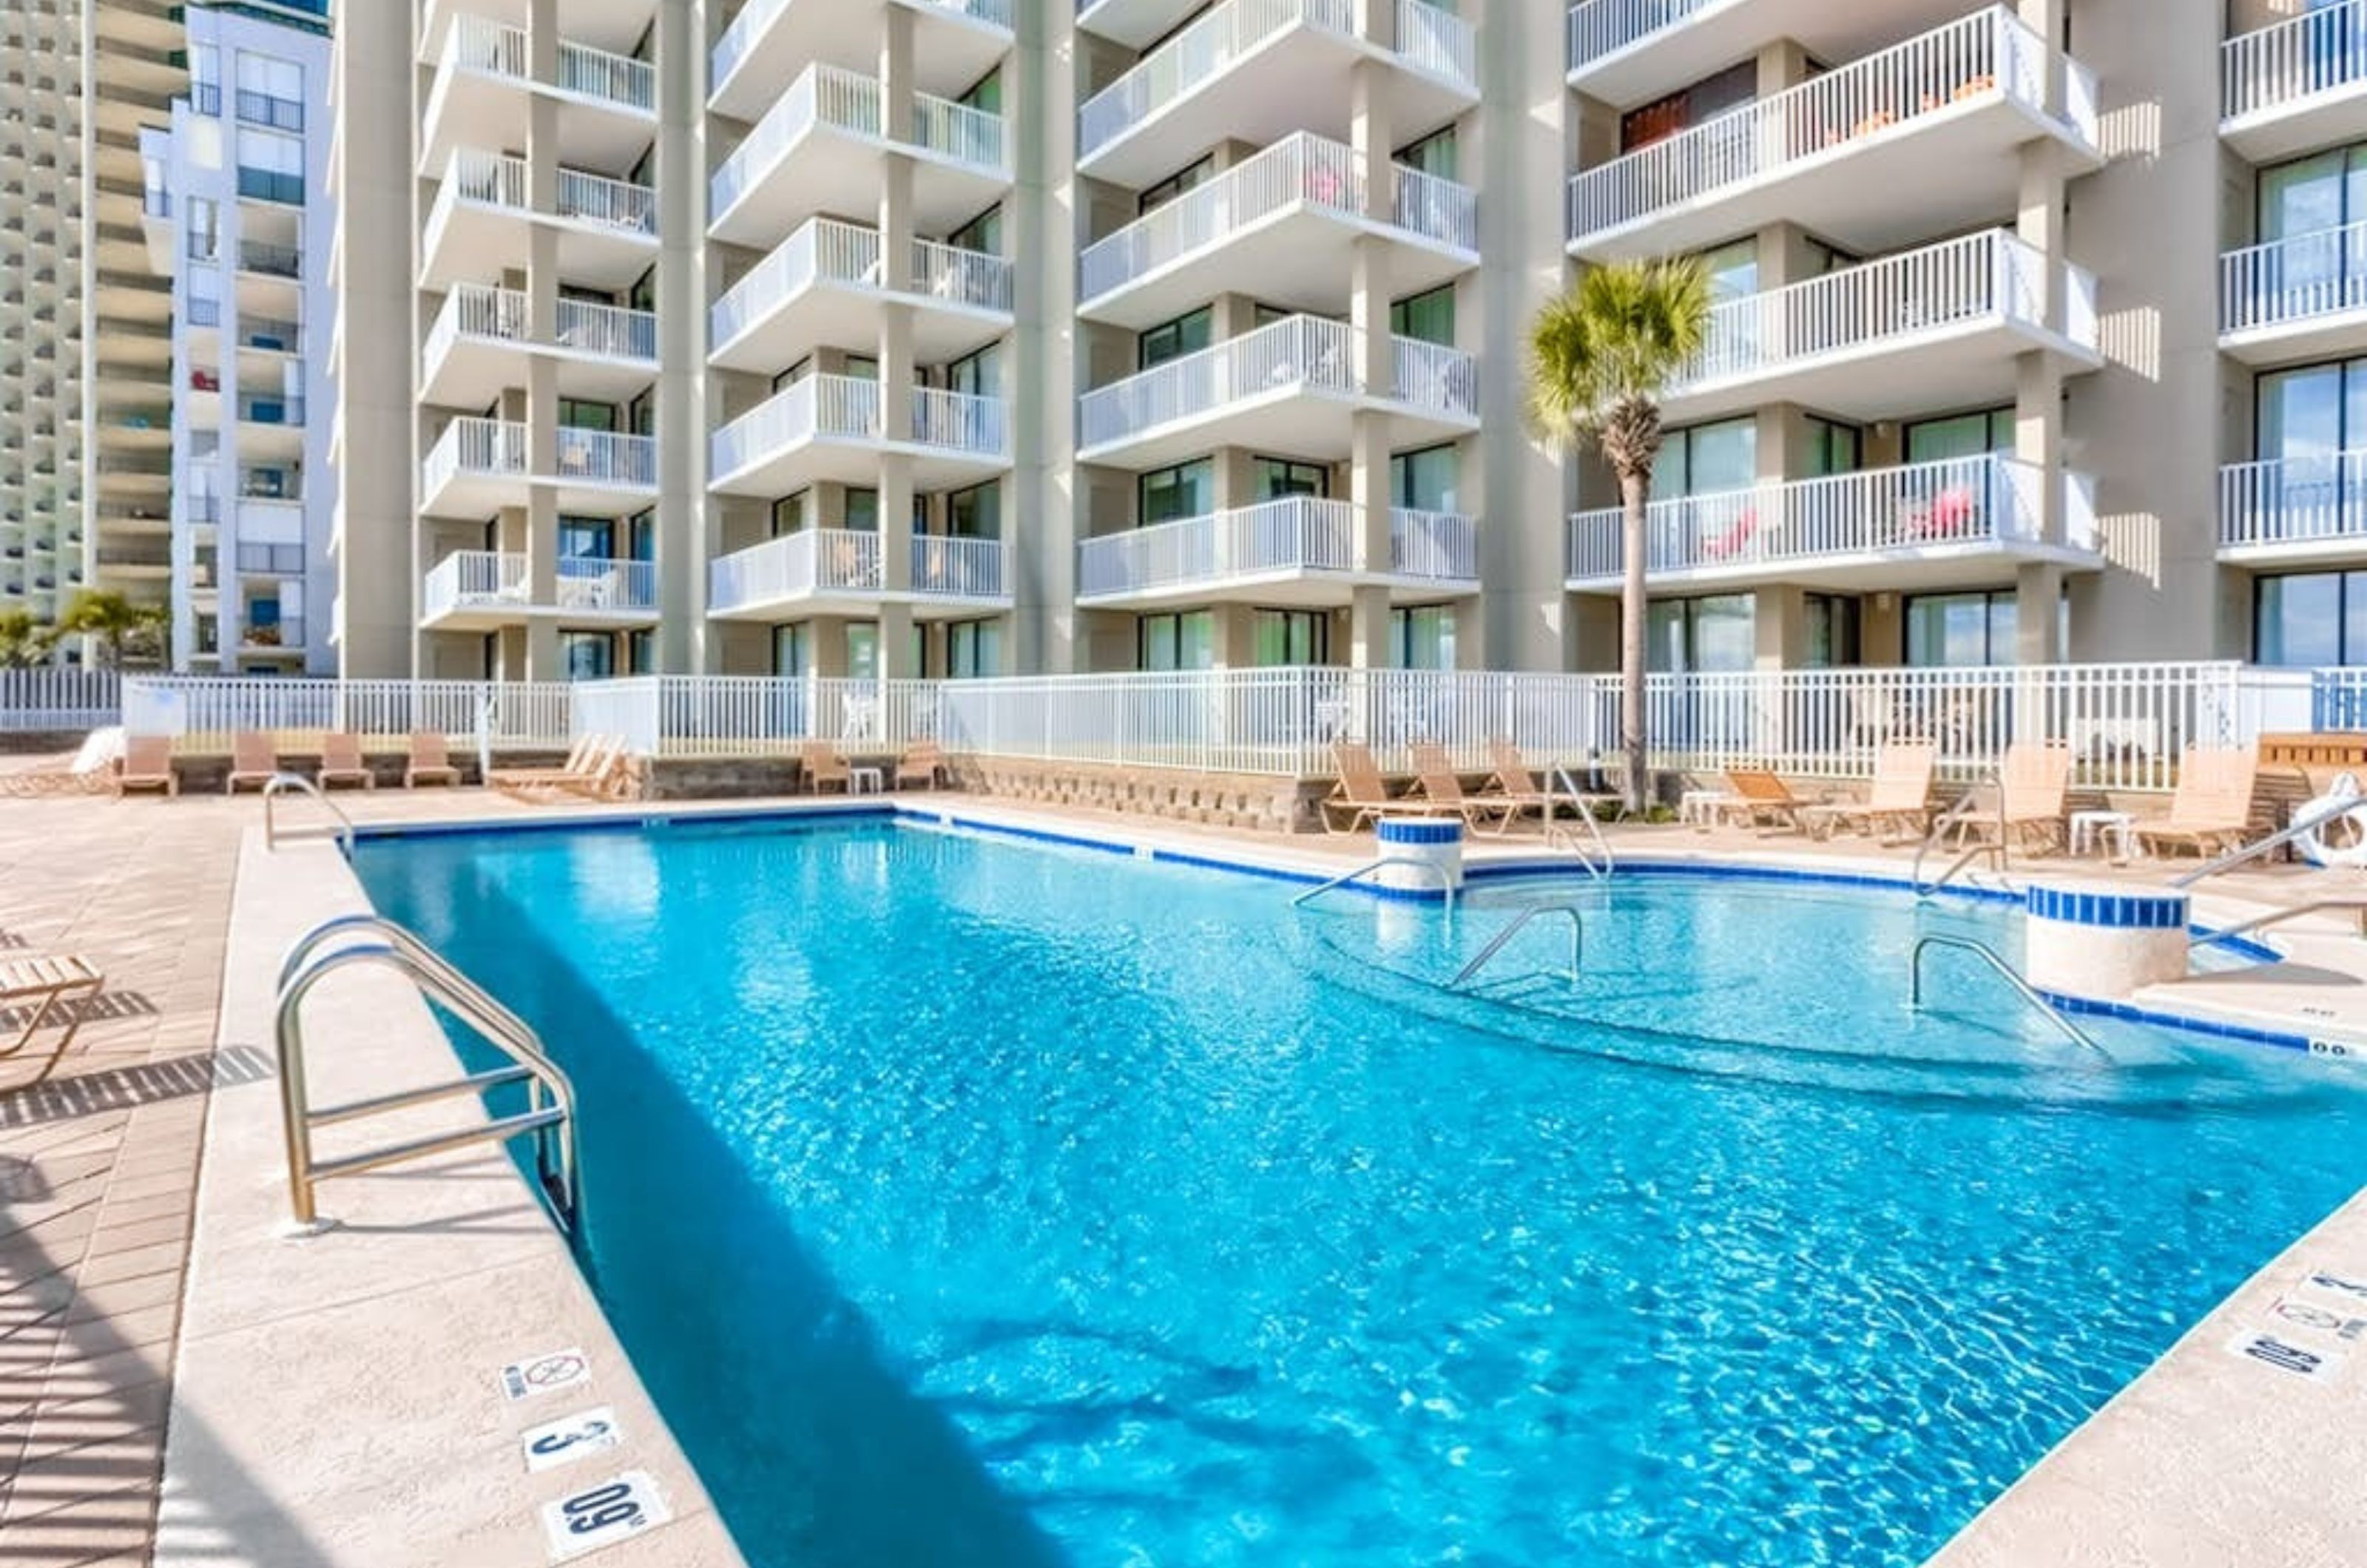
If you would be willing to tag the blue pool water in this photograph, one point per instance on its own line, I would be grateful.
(970, 1201)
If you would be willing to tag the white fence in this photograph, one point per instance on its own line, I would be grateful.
(204, 713)
(2275, 66)
(2300, 276)
(57, 699)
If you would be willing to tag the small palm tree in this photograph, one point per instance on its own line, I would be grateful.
(113, 619)
(1599, 359)
(24, 641)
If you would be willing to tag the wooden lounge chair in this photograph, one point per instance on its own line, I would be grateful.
(147, 764)
(582, 756)
(430, 760)
(2211, 811)
(1900, 800)
(1434, 776)
(34, 989)
(924, 763)
(1513, 781)
(823, 764)
(2033, 803)
(591, 769)
(341, 762)
(1360, 793)
(1762, 799)
(603, 777)
(253, 761)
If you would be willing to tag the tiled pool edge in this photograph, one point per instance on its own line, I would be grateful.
(336, 1399)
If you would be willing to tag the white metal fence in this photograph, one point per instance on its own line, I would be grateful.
(203, 713)
(1598, 27)
(2321, 273)
(2267, 69)
(57, 698)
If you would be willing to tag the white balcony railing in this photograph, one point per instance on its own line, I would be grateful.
(497, 180)
(1991, 499)
(848, 408)
(479, 43)
(1301, 355)
(1990, 51)
(487, 580)
(1295, 534)
(829, 96)
(810, 562)
(2323, 51)
(1429, 39)
(499, 448)
(1978, 279)
(825, 249)
(481, 312)
(757, 18)
(1600, 28)
(955, 567)
(1300, 169)
(2319, 499)
(2296, 279)
(605, 457)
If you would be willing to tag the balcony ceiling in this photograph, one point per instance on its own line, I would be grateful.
(476, 237)
(1291, 421)
(1923, 569)
(1969, 365)
(473, 371)
(859, 605)
(2335, 334)
(834, 313)
(1293, 587)
(2334, 118)
(478, 496)
(479, 109)
(1299, 258)
(828, 173)
(806, 460)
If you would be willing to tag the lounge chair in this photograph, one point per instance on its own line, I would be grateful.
(252, 761)
(147, 764)
(922, 763)
(1899, 801)
(591, 769)
(2033, 799)
(341, 762)
(1361, 792)
(1442, 786)
(823, 765)
(1513, 781)
(430, 760)
(35, 987)
(580, 757)
(2211, 811)
(1760, 798)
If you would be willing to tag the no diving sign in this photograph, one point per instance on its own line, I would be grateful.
(545, 1374)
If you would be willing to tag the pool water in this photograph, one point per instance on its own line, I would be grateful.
(970, 1201)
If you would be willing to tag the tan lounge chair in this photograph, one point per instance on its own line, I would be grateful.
(1513, 781)
(35, 987)
(591, 769)
(922, 762)
(341, 762)
(252, 761)
(1435, 777)
(824, 765)
(430, 760)
(605, 777)
(1360, 793)
(147, 764)
(2033, 803)
(2212, 811)
(1760, 798)
(582, 756)
(1900, 800)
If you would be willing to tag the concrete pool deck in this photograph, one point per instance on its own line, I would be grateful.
(332, 1401)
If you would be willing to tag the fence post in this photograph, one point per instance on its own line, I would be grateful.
(485, 730)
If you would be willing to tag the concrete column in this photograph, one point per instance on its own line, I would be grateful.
(1780, 626)
(1236, 636)
(1368, 628)
(1045, 214)
(688, 534)
(896, 234)
(2038, 220)
(895, 74)
(2045, 17)
(2037, 599)
(1371, 135)
(2038, 435)
(896, 642)
(1377, 22)
(896, 522)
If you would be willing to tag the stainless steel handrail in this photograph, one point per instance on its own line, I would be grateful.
(279, 784)
(1586, 815)
(550, 1115)
(1445, 883)
(1962, 807)
(1988, 955)
(2277, 918)
(1512, 928)
(2285, 835)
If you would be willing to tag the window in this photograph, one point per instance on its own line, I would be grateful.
(1834, 448)
(1426, 481)
(975, 513)
(1434, 155)
(1833, 640)
(793, 512)
(587, 656)
(1425, 318)
(201, 216)
(790, 646)
(1960, 435)
(973, 648)
(1170, 340)
(1689, 106)
(983, 232)
(862, 511)
(270, 90)
(586, 538)
(1714, 632)
(574, 413)
(205, 79)
(1707, 460)
(978, 375)
(986, 97)
(1176, 183)
(2309, 422)
(863, 650)
(1185, 641)
(1422, 637)
(642, 536)
(1732, 270)
(1290, 637)
(1187, 490)
(270, 166)
(1957, 630)
(642, 651)
(1276, 478)
(2317, 620)
(860, 367)
(205, 296)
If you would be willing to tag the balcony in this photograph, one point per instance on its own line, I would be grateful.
(1290, 387)
(2295, 511)
(1915, 139)
(814, 152)
(826, 279)
(959, 41)
(1936, 328)
(1961, 522)
(840, 571)
(270, 561)
(1281, 226)
(1627, 53)
(480, 466)
(481, 590)
(604, 352)
(1296, 552)
(268, 260)
(607, 228)
(484, 88)
(2298, 84)
(2302, 298)
(1242, 72)
(829, 427)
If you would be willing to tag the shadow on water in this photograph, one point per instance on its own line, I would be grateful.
(815, 1450)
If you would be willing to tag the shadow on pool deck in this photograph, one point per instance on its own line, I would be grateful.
(814, 1449)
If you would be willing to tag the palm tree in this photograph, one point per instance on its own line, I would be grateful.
(113, 619)
(24, 642)
(1599, 359)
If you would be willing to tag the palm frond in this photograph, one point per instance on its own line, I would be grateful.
(1619, 336)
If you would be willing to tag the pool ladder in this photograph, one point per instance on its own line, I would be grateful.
(2022, 987)
(1446, 882)
(1513, 927)
(550, 1116)
(274, 835)
(1596, 859)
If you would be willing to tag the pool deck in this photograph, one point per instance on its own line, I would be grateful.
(335, 1399)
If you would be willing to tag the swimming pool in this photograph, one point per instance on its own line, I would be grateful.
(965, 1200)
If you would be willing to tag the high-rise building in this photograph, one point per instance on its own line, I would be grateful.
(241, 224)
(954, 336)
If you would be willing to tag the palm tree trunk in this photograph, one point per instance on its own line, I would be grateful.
(1633, 640)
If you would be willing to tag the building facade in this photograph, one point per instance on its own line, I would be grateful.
(954, 337)
(240, 222)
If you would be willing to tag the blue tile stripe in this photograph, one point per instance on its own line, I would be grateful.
(1391, 830)
(2113, 911)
